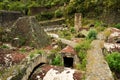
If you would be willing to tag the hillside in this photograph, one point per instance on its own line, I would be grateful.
(106, 10)
(59, 39)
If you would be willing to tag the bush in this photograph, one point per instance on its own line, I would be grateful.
(117, 26)
(113, 60)
(4, 47)
(58, 13)
(17, 6)
(92, 34)
(83, 46)
(72, 30)
(57, 60)
(45, 16)
(82, 50)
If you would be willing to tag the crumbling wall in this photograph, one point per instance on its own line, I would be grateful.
(7, 18)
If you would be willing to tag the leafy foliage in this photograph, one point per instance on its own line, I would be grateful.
(113, 60)
(36, 52)
(92, 34)
(81, 49)
(45, 16)
(58, 13)
(117, 26)
(56, 60)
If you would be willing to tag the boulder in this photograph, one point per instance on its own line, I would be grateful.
(27, 31)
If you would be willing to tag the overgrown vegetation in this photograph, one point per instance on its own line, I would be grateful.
(113, 60)
(66, 8)
(55, 58)
(117, 26)
(36, 52)
(81, 49)
(92, 34)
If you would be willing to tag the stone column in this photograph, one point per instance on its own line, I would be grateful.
(77, 21)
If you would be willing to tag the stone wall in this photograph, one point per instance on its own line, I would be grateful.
(97, 67)
(7, 18)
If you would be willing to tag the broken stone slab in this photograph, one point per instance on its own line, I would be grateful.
(27, 31)
(97, 68)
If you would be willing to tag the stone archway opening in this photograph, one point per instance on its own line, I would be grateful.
(68, 61)
(35, 69)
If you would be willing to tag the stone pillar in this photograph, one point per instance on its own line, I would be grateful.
(77, 22)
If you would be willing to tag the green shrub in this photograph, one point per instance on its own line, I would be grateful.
(58, 13)
(81, 49)
(17, 6)
(92, 34)
(83, 46)
(113, 60)
(45, 16)
(4, 47)
(98, 23)
(117, 26)
(36, 52)
(32, 55)
(57, 60)
(23, 50)
(72, 30)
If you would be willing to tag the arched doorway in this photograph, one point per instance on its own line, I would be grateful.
(68, 61)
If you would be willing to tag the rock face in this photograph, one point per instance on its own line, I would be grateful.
(97, 67)
(26, 30)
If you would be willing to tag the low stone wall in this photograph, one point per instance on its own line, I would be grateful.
(97, 68)
(7, 18)
(59, 21)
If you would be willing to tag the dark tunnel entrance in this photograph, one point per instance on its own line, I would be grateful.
(68, 61)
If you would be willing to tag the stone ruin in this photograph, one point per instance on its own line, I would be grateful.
(27, 31)
(69, 56)
(97, 68)
(7, 18)
(112, 43)
(77, 21)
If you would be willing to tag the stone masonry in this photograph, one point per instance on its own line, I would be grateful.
(7, 18)
(97, 68)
